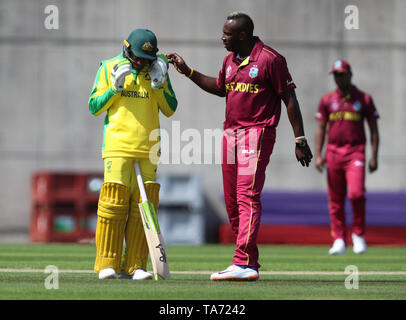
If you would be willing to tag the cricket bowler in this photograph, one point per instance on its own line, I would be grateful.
(132, 89)
(344, 111)
(254, 79)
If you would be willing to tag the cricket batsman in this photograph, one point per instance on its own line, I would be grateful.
(343, 111)
(131, 88)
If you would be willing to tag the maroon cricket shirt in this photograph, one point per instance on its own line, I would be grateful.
(345, 116)
(253, 87)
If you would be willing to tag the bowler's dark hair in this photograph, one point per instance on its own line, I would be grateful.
(246, 23)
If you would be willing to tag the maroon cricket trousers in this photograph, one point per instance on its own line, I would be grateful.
(246, 154)
(346, 176)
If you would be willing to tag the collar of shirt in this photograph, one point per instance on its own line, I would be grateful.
(254, 53)
(241, 58)
(349, 95)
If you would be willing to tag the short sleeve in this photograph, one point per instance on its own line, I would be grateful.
(370, 110)
(280, 76)
(220, 81)
(322, 111)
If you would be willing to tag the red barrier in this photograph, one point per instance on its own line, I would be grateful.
(316, 235)
(64, 206)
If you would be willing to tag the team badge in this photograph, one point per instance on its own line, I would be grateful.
(147, 46)
(228, 71)
(357, 106)
(338, 64)
(334, 106)
(253, 72)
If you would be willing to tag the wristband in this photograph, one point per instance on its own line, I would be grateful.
(301, 142)
(191, 73)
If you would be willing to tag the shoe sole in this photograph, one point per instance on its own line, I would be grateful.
(250, 278)
(337, 253)
(113, 276)
(140, 279)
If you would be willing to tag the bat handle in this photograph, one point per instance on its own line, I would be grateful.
(140, 183)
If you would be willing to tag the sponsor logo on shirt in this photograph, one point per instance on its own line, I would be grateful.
(242, 87)
(352, 116)
(135, 94)
(253, 72)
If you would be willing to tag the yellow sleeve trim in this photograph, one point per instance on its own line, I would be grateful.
(269, 52)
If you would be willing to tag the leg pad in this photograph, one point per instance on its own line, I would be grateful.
(111, 217)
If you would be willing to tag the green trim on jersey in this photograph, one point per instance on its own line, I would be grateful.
(97, 103)
(171, 99)
(135, 74)
(106, 123)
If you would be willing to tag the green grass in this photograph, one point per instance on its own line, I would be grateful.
(195, 286)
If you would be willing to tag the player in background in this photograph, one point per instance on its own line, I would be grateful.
(343, 111)
(254, 79)
(132, 88)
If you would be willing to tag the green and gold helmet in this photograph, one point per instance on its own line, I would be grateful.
(143, 43)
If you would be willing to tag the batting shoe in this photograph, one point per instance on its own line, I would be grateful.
(338, 247)
(359, 244)
(140, 274)
(236, 273)
(107, 273)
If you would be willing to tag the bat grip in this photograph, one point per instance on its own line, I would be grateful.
(140, 183)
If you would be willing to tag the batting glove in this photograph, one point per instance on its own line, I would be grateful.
(118, 74)
(157, 72)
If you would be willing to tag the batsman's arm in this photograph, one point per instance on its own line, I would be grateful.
(206, 83)
(102, 95)
(303, 153)
(166, 98)
(320, 137)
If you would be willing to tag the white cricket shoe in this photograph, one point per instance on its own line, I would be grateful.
(235, 273)
(107, 273)
(140, 274)
(359, 244)
(338, 247)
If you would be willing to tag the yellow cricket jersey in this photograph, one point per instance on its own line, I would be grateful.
(132, 114)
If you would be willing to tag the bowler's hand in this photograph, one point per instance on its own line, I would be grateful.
(373, 165)
(320, 163)
(178, 63)
(304, 155)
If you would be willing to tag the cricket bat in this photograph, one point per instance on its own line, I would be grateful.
(155, 240)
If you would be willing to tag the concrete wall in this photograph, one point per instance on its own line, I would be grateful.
(46, 77)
